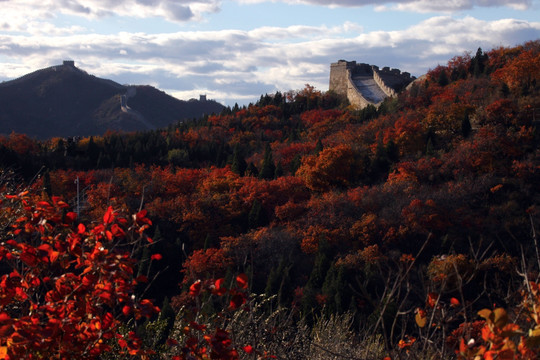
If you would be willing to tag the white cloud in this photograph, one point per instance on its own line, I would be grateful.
(409, 5)
(28, 15)
(168, 9)
(239, 66)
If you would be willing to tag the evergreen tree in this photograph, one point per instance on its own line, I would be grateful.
(285, 292)
(443, 78)
(295, 163)
(239, 164)
(319, 146)
(478, 63)
(430, 151)
(505, 90)
(268, 168)
(272, 282)
(47, 183)
(256, 216)
(321, 265)
(466, 126)
(251, 170)
(392, 151)
(144, 263)
(279, 170)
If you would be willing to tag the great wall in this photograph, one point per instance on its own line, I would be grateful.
(365, 84)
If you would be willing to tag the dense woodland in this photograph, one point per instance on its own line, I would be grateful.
(392, 226)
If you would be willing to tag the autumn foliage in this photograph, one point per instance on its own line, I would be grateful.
(66, 288)
(407, 220)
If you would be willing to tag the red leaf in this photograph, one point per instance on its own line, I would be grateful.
(236, 301)
(126, 310)
(71, 217)
(195, 288)
(4, 317)
(156, 257)
(248, 349)
(81, 229)
(109, 216)
(242, 281)
(432, 299)
(218, 287)
(454, 302)
(118, 231)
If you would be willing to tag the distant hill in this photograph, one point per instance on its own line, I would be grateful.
(65, 101)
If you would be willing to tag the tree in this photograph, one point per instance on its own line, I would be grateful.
(466, 126)
(268, 168)
(239, 164)
(178, 157)
(333, 166)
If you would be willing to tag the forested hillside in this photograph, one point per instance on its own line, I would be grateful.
(393, 226)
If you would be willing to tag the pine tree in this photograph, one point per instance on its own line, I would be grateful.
(430, 151)
(466, 126)
(272, 282)
(268, 168)
(239, 164)
(279, 170)
(285, 292)
(47, 183)
(295, 163)
(144, 263)
(256, 216)
(321, 265)
(319, 146)
(443, 78)
(251, 170)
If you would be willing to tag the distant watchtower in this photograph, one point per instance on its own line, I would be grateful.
(69, 63)
(202, 97)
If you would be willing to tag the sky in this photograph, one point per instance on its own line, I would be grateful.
(234, 51)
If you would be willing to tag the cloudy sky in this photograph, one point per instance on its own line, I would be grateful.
(236, 50)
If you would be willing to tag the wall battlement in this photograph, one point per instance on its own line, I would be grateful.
(365, 84)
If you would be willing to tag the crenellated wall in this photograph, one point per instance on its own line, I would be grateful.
(365, 84)
(387, 89)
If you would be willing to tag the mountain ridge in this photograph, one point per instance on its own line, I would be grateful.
(63, 101)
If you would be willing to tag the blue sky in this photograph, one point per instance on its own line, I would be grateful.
(236, 50)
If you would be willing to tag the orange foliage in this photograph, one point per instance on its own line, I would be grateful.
(20, 143)
(521, 70)
(333, 166)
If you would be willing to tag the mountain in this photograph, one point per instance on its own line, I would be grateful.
(66, 101)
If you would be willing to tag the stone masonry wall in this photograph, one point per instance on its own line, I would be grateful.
(389, 80)
(355, 97)
(387, 89)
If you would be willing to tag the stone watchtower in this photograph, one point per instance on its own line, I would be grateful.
(365, 84)
(339, 73)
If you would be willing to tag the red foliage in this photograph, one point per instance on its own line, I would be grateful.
(206, 341)
(66, 282)
(203, 264)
